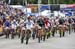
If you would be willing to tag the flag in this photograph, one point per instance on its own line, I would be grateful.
(9, 1)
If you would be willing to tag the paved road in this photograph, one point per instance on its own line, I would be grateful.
(67, 42)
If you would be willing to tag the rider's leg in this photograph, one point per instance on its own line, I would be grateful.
(44, 37)
(22, 38)
(38, 39)
(36, 34)
(60, 33)
(63, 34)
(53, 32)
(39, 36)
(12, 33)
(27, 40)
(74, 30)
(18, 33)
(69, 29)
(44, 34)
(33, 35)
(47, 34)
(7, 33)
(28, 35)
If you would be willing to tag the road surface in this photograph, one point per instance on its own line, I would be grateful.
(67, 42)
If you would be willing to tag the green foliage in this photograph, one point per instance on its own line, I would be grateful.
(43, 1)
(32, 1)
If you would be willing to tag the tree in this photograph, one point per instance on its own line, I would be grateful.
(32, 1)
(62, 2)
(67, 1)
(43, 1)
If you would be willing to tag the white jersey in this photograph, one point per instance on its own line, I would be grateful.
(13, 26)
(29, 24)
(57, 21)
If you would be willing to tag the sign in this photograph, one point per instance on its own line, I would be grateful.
(34, 8)
(68, 13)
(44, 7)
(70, 6)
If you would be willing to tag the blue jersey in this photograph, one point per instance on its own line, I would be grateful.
(7, 24)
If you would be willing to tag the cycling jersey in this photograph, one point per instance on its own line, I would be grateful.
(7, 24)
(29, 24)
